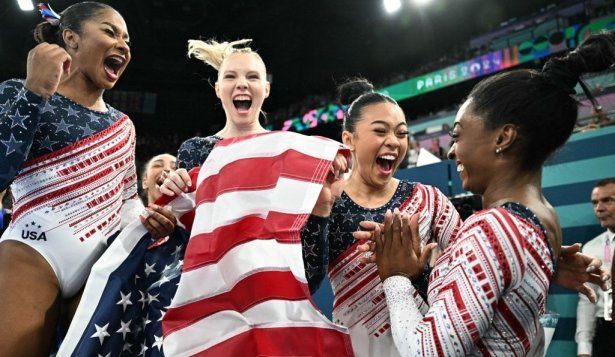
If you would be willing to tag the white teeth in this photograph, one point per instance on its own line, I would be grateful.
(242, 97)
(117, 59)
(387, 157)
(459, 167)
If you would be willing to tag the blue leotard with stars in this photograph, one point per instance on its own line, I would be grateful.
(31, 127)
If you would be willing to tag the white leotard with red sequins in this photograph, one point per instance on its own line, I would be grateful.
(70, 201)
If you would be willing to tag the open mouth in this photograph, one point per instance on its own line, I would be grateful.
(460, 167)
(112, 65)
(385, 163)
(242, 103)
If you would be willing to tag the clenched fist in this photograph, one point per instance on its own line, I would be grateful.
(46, 63)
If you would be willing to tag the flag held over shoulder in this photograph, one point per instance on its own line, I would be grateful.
(242, 290)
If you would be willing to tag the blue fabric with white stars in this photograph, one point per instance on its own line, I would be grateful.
(194, 151)
(128, 316)
(344, 220)
(31, 127)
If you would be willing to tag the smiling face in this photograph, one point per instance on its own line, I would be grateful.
(153, 175)
(473, 149)
(242, 87)
(379, 143)
(100, 51)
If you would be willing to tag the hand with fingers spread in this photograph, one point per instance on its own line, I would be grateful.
(575, 270)
(398, 247)
(332, 188)
(176, 183)
(45, 66)
(160, 222)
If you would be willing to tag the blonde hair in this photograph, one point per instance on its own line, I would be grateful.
(213, 53)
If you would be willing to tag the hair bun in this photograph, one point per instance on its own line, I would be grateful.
(595, 54)
(45, 32)
(353, 89)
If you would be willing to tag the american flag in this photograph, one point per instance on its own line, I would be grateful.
(126, 296)
(242, 289)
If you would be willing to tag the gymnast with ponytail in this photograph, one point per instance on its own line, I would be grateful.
(69, 158)
(490, 285)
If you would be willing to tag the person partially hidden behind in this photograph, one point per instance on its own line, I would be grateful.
(594, 335)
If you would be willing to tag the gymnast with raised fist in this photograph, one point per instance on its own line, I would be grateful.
(69, 158)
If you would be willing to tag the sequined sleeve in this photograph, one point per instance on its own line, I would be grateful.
(439, 217)
(193, 152)
(130, 179)
(315, 250)
(19, 117)
(474, 276)
(446, 221)
(442, 219)
(132, 206)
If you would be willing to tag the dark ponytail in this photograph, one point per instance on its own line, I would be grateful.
(595, 54)
(539, 103)
(72, 18)
(358, 93)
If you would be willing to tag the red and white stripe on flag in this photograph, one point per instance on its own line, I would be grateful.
(243, 289)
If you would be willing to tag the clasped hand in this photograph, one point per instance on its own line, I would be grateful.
(396, 245)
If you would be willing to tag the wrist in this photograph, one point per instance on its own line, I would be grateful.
(398, 283)
(322, 210)
(385, 275)
(33, 89)
(401, 273)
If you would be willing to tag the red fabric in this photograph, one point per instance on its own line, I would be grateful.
(298, 341)
(304, 332)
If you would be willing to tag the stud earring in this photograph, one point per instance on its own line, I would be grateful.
(498, 150)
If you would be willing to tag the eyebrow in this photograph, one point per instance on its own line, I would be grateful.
(387, 124)
(457, 123)
(232, 71)
(115, 29)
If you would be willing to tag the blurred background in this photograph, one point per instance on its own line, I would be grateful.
(309, 47)
(427, 54)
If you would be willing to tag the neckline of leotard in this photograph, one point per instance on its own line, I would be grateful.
(108, 112)
(400, 185)
(525, 213)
